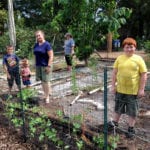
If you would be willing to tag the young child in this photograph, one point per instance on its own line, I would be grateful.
(11, 67)
(25, 72)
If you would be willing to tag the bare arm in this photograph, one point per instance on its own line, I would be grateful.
(72, 50)
(51, 57)
(113, 83)
(50, 60)
(143, 79)
(6, 71)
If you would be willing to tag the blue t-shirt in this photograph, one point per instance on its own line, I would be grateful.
(68, 45)
(11, 61)
(41, 55)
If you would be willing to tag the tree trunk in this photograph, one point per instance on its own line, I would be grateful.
(11, 24)
(109, 42)
(86, 62)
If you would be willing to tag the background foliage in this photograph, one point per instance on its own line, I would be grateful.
(85, 19)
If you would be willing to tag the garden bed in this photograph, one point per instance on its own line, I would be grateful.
(83, 118)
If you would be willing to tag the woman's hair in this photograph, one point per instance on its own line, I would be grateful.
(40, 31)
(129, 41)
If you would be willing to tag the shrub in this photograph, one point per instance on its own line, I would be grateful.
(25, 41)
(147, 46)
(4, 40)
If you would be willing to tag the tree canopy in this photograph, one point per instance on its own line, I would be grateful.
(88, 20)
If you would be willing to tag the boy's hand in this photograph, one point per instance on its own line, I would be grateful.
(113, 89)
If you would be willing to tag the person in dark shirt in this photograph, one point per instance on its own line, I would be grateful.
(43, 58)
(11, 67)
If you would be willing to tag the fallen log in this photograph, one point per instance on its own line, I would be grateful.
(76, 98)
(94, 91)
(98, 105)
(35, 84)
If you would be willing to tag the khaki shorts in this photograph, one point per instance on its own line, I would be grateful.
(41, 75)
(126, 104)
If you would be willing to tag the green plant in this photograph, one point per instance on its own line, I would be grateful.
(84, 52)
(25, 41)
(4, 40)
(38, 125)
(99, 141)
(27, 93)
(113, 140)
(76, 120)
(93, 65)
(79, 144)
(147, 61)
(59, 113)
(76, 127)
(74, 86)
(11, 112)
(41, 126)
(147, 46)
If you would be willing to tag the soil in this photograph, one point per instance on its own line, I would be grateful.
(12, 139)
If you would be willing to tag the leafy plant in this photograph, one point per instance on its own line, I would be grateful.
(27, 93)
(77, 120)
(25, 42)
(12, 114)
(4, 40)
(147, 46)
(99, 141)
(79, 144)
(74, 86)
(38, 126)
(113, 140)
(93, 65)
(84, 52)
(59, 113)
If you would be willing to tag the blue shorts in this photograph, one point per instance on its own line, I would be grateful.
(26, 82)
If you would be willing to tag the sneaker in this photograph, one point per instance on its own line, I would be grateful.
(111, 125)
(131, 132)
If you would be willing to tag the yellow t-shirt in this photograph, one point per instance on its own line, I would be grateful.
(128, 75)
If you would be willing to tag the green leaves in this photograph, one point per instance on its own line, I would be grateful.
(113, 17)
(27, 93)
(113, 140)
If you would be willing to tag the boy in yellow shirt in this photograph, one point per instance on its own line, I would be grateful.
(128, 83)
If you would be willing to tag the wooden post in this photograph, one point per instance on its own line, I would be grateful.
(11, 24)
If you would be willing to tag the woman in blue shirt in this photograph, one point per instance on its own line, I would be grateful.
(44, 58)
(69, 45)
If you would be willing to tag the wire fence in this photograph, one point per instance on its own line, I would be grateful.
(80, 106)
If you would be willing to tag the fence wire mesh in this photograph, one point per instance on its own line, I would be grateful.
(76, 103)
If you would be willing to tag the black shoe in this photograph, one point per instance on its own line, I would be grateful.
(131, 133)
(111, 125)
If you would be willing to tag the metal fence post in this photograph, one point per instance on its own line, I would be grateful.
(105, 108)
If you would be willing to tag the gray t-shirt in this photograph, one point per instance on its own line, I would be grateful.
(68, 45)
